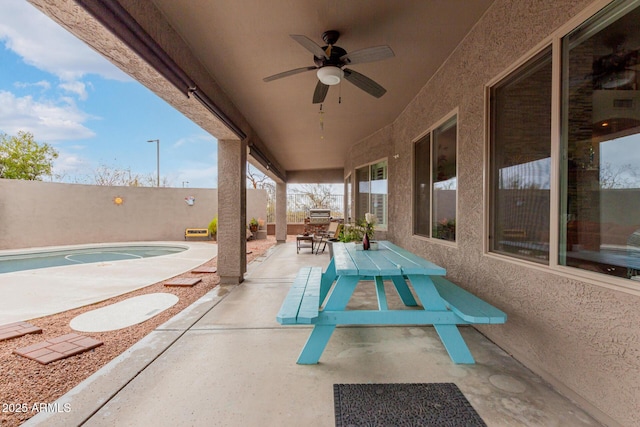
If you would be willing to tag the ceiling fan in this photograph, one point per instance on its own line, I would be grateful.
(618, 69)
(331, 62)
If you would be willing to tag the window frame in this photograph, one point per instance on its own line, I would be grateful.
(515, 73)
(558, 134)
(454, 114)
(348, 188)
(382, 224)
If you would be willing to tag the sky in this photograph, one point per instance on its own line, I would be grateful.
(91, 112)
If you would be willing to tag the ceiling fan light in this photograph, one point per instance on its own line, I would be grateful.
(330, 75)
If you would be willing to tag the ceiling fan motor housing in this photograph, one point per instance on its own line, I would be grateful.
(335, 54)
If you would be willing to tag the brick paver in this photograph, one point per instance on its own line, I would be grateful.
(204, 269)
(58, 348)
(183, 281)
(17, 329)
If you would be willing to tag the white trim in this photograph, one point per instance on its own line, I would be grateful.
(555, 151)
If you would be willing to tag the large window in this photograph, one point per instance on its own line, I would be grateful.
(371, 188)
(436, 182)
(520, 154)
(593, 224)
(422, 186)
(600, 185)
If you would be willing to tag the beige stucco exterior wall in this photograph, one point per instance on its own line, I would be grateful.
(582, 337)
(34, 213)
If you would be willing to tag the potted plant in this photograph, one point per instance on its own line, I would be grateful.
(253, 225)
(261, 223)
(213, 228)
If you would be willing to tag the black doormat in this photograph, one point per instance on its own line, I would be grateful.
(435, 404)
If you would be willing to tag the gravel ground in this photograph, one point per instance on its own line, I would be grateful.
(25, 384)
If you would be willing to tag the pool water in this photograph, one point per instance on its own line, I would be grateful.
(34, 260)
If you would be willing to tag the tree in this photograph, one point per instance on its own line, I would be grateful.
(258, 180)
(108, 175)
(619, 176)
(21, 157)
(317, 195)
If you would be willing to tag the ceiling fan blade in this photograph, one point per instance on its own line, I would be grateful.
(310, 45)
(320, 93)
(369, 54)
(288, 73)
(364, 83)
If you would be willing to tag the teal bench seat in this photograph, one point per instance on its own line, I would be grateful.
(466, 305)
(302, 303)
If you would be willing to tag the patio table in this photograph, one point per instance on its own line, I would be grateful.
(349, 266)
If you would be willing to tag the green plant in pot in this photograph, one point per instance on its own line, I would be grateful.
(351, 233)
(213, 227)
(253, 225)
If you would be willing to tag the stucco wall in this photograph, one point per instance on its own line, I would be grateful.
(581, 337)
(36, 213)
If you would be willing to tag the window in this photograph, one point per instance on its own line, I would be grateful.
(594, 222)
(600, 181)
(435, 182)
(520, 161)
(422, 186)
(371, 196)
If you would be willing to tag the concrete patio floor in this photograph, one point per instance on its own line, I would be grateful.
(225, 361)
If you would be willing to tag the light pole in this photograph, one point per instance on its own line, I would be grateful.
(157, 141)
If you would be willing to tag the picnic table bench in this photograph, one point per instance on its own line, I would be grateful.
(444, 304)
(302, 304)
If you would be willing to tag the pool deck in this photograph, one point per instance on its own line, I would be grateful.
(30, 294)
(225, 361)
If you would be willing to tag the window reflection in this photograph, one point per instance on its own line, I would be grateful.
(601, 188)
(520, 161)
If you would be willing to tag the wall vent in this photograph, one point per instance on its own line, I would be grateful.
(623, 103)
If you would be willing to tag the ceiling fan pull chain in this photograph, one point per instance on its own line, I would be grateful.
(321, 122)
(340, 93)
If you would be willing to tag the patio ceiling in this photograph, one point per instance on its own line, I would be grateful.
(241, 42)
(226, 47)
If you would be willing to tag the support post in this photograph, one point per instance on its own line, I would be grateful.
(232, 211)
(281, 212)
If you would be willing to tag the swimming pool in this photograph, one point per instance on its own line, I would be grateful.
(55, 258)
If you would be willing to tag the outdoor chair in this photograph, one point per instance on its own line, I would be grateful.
(332, 233)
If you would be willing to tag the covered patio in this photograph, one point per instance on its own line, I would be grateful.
(225, 361)
(480, 144)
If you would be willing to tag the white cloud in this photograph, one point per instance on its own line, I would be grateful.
(43, 43)
(193, 139)
(46, 121)
(70, 164)
(77, 87)
(43, 84)
(197, 176)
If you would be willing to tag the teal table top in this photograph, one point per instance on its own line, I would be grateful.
(388, 260)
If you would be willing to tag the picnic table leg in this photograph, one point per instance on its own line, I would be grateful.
(321, 333)
(327, 280)
(449, 334)
(315, 345)
(403, 291)
(454, 344)
(382, 296)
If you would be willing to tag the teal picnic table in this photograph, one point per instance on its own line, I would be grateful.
(321, 298)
